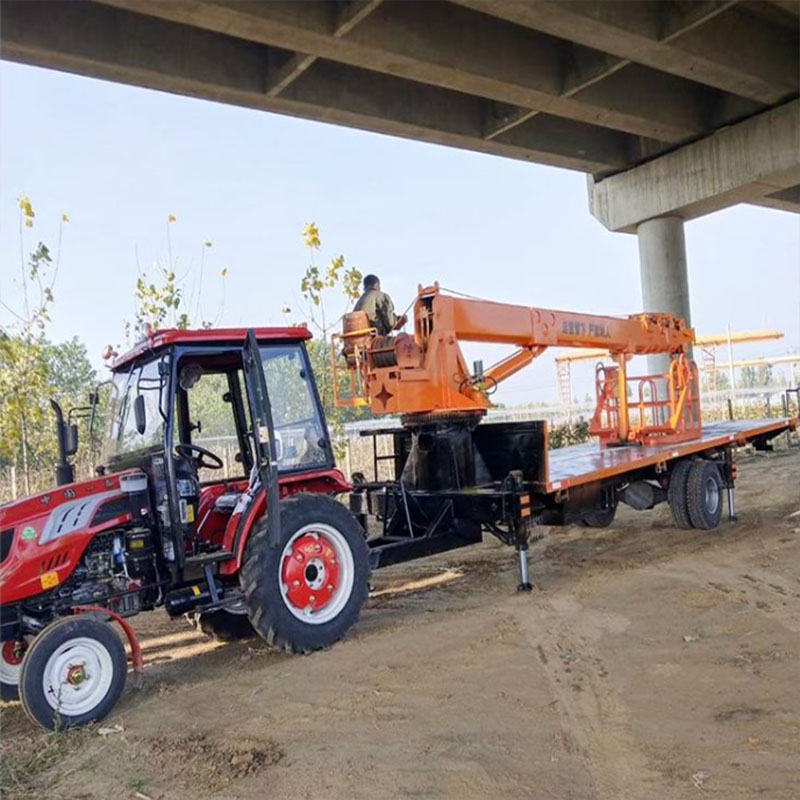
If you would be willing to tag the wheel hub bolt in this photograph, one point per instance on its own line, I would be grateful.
(76, 674)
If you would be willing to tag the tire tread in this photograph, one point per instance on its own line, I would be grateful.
(677, 494)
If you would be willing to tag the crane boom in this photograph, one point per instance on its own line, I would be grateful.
(504, 323)
(426, 374)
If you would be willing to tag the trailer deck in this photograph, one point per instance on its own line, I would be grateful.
(519, 485)
(584, 463)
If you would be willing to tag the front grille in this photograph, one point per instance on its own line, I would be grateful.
(6, 540)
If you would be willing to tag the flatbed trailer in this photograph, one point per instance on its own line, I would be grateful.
(518, 485)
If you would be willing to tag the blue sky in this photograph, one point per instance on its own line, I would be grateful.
(119, 160)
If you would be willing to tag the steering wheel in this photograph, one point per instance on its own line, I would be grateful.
(189, 451)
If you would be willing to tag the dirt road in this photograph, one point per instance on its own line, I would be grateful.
(649, 663)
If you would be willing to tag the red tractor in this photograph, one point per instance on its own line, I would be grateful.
(160, 526)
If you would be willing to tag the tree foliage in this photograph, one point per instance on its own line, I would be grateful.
(323, 289)
(32, 369)
(163, 299)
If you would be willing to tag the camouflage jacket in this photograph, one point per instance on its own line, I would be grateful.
(379, 309)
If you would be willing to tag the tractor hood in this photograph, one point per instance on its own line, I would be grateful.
(42, 537)
(30, 510)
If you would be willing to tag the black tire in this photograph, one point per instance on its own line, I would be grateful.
(225, 626)
(704, 493)
(677, 494)
(57, 637)
(9, 691)
(9, 670)
(262, 575)
(599, 517)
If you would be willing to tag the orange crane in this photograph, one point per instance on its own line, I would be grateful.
(455, 478)
(426, 373)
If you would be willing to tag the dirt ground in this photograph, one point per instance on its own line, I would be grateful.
(649, 663)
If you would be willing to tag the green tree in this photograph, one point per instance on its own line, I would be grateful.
(24, 372)
(749, 377)
(165, 300)
(764, 375)
(323, 289)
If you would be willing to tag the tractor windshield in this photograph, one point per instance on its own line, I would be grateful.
(122, 435)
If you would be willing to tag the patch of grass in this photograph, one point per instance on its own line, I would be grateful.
(136, 784)
(23, 758)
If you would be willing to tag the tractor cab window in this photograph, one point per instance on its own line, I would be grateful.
(213, 401)
(123, 437)
(302, 442)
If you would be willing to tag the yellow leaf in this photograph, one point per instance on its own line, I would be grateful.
(27, 208)
(311, 236)
(223, 272)
(64, 218)
(29, 223)
(171, 218)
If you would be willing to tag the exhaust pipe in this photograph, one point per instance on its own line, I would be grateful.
(67, 437)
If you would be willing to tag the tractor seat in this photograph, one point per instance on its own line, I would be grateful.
(225, 503)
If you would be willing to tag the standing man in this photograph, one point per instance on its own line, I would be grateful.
(378, 307)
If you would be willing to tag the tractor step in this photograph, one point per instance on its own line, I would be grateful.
(208, 558)
(197, 566)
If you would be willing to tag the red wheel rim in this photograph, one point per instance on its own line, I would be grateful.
(310, 572)
(10, 654)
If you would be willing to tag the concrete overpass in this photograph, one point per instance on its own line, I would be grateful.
(674, 109)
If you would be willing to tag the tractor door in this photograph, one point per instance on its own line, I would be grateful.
(263, 432)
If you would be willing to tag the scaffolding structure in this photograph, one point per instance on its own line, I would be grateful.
(709, 368)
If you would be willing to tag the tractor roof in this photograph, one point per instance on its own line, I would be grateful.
(172, 336)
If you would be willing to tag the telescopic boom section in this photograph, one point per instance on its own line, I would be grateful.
(427, 374)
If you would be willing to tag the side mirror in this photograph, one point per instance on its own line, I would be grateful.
(71, 439)
(139, 413)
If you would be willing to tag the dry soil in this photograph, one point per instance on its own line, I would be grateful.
(648, 663)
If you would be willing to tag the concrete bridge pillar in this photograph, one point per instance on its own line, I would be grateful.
(665, 281)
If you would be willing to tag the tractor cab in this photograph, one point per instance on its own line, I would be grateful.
(182, 412)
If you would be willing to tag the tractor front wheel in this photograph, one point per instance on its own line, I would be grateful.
(306, 591)
(73, 674)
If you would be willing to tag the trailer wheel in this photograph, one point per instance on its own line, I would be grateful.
(677, 494)
(704, 493)
(599, 517)
(11, 655)
(225, 625)
(73, 674)
(305, 593)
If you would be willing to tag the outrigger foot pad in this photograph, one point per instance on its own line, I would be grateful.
(524, 584)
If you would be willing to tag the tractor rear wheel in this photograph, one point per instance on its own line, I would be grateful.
(677, 494)
(73, 674)
(305, 593)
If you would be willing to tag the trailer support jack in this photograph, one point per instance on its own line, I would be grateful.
(731, 505)
(524, 575)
